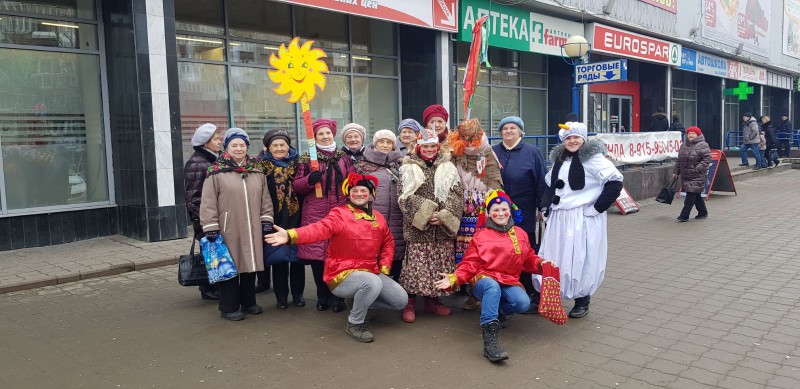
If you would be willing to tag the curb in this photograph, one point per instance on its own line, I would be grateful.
(114, 269)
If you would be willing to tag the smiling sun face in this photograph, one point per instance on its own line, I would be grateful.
(298, 70)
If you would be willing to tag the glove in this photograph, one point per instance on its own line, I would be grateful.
(314, 177)
(590, 211)
(266, 227)
(212, 235)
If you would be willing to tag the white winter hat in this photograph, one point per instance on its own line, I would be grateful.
(203, 134)
(384, 134)
(572, 128)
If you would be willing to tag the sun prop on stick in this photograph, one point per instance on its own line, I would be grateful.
(298, 71)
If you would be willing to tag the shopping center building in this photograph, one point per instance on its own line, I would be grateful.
(100, 98)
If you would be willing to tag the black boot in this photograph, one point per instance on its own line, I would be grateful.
(337, 304)
(534, 309)
(491, 344)
(581, 307)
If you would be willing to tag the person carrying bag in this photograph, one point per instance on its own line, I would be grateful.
(667, 193)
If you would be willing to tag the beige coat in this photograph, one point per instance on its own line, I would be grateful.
(236, 208)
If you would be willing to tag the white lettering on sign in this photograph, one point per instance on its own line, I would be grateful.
(641, 147)
(635, 45)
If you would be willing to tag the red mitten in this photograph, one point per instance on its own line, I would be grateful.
(550, 302)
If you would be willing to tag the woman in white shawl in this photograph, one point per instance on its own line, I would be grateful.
(583, 184)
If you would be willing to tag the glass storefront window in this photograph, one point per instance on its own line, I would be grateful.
(337, 62)
(374, 65)
(53, 137)
(505, 102)
(333, 103)
(375, 104)
(257, 109)
(480, 105)
(373, 36)
(196, 47)
(261, 20)
(251, 53)
(199, 16)
(533, 111)
(204, 99)
(20, 30)
(327, 29)
(684, 97)
(82, 9)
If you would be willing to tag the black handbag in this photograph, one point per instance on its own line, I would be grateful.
(773, 155)
(192, 269)
(667, 194)
(274, 255)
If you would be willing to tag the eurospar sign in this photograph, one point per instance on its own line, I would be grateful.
(435, 14)
(612, 40)
(515, 28)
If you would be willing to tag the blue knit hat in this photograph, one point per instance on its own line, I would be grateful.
(409, 123)
(511, 119)
(234, 133)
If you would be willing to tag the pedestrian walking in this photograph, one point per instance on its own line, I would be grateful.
(785, 130)
(750, 140)
(279, 164)
(583, 184)
(769, 143)
(207, 144)
(334, 166)
(694, 158)
(522, 168)
(676, 124)
(432, 201)
(382, 160)
(236, 205)
(359, 256)
(496, 255)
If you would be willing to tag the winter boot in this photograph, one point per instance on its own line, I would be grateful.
(581, 307)
(503, 319)
(409, 316)
(534, 309)
(359, 332)
(491, 344)
(433, 305)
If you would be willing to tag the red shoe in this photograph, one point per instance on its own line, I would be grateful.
(433, 305)
(409, 316)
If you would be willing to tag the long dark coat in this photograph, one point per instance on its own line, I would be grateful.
(693, 160)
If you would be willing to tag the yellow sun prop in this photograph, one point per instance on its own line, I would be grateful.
(298, 70)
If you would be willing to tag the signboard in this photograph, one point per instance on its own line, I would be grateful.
(689, 60)
(620, 42)
(668, 5)
(641, 147)
(718, 177)
(746, 72)
(738, 22)
(791, 28)
(626, 203)
(596, 72)
(435, 14)
(515, 28)
(712, 65)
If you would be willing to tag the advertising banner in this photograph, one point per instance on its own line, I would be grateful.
(689, 59)
(620, 42)
(735, 22)
(515, 28)
(668, 5)
(746, 72)
(791, 28)
(641, 147)
(596, 72)
(712, 65)
(435, 14)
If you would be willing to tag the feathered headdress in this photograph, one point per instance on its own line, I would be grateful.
(355, 179)
(495, 197)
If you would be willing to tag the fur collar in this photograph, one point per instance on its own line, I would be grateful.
(586, 152)
(412, 176)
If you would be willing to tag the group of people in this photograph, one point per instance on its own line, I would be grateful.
(762, 137)
(417, 212)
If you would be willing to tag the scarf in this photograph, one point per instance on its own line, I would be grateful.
(280, 173)
(333, 172)
(283, 162)
(225, 164)
(577, 176)
(367, 209)
(491, 224)
(329, 148)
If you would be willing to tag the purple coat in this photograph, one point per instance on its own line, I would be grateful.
(335, 167)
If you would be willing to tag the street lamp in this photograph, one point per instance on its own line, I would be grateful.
(573, 52)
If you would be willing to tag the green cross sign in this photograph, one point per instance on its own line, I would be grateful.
(742, 91)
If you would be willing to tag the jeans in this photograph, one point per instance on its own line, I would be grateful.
(376, 291)
(505, 299)
(754, 146)
(693, 200)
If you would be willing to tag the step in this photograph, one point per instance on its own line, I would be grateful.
(741, 173)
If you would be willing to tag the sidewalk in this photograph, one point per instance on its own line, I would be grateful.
(43, 266)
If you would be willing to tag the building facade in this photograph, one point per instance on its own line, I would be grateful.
(100, 97)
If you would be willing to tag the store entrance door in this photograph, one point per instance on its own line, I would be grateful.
(620, 113)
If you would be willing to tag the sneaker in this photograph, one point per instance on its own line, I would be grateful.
(757, 168)
(744, 164)
(701, 217)
(359, 332)
(777, 162)
(682, 220)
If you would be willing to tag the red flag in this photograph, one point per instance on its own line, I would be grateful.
(473, 63)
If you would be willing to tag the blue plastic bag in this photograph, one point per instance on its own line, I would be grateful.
(218, 260)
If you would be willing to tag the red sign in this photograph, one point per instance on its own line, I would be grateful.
(669, 5)
(435, 14)
(615, 41)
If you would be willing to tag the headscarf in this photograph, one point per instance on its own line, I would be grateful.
(226, 164)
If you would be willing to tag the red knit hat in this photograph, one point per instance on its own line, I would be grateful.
(319, 123)
(696, 130)
(434, 110)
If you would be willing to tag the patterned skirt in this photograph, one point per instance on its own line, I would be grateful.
(424, 261)
(473, 201)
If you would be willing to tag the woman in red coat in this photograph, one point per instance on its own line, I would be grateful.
(492, 263)
(357, 236)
